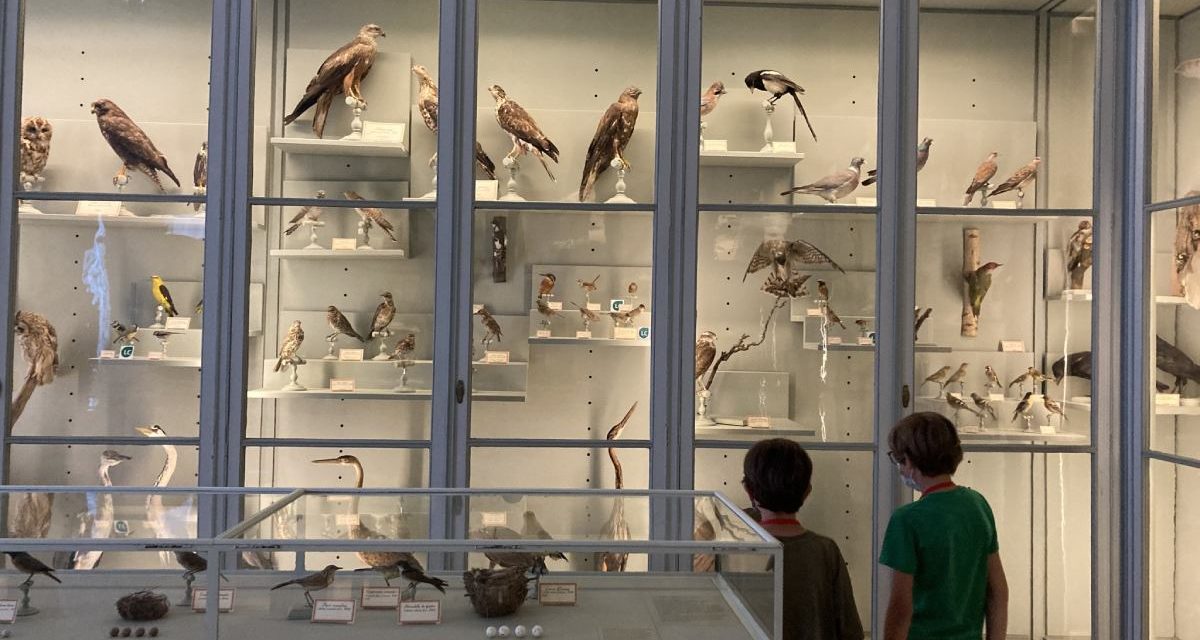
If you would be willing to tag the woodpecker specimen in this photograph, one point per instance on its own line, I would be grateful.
(978, 283)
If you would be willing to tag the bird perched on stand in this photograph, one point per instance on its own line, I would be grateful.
(984, 405)
(831, 316)
(374, 215)
(1019, 179)
(957, 376)
(779, 85)
(384, 313)
(162, 296)
(823, 290)
(957, 404)
(613, 133)
(588, 287)
(526, 136)
(626, 317)
(983, 175)
(290, 347)
(427, 105)
(124, 335)
(308, 212)
(532, 529)
(922, 158)
(200, 174)
(340, 325)
(585, 313)
(1022, 406)
(938, 377)
(1079, 253)
(978, 283)
(706, 352)
(312, 582)
(834, 186)
(342, 72)
(546, 286)
(36, 133)
(130, 143)
(545, 309)
(490, 326)
(919, 318)
(26, 563)
(412, 571)
(1053, 408)
(784, 255)
(708, 101)
(194, 563)
(405, 347)
(993, 379)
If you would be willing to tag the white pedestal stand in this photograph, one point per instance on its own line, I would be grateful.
(294, 375)
(356, 125)
(768, 130)
(618, 163)
(312, 233)
(364, 235)
(514, 169)
(29, 183)
(383, 354)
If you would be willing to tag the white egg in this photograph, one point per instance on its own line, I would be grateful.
(490, 632)
(504, 631)
(519, 631)
(536, 631)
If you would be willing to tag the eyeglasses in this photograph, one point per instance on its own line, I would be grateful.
(896, 459)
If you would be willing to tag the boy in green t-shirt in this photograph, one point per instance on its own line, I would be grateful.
(948, 581)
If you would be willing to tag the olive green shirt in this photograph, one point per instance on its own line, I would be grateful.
(818, 601)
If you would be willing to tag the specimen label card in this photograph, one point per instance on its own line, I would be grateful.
(995, 397)
(758, 422)
(1166, 399)
(97, 208)
(224, 602)
(380, 597)
(593, 306)
(344, 244)
(420, 612)
(625, 333)
(494, 518)
(557, 594)
(1012, 346)
(715, 145)
(179, 323)
(154, 355)
(334, 611)
(8, 611)
(1004, 204)
(834, 340)
(108, 355)
(788, 146)
(487, 189)
(350, 355)
(1048, 430)
(345, 385)
(496, 357)
(814, 311)
(557, 306)
(390, 132)
(583, 334)
(543, 333)
(866, 342)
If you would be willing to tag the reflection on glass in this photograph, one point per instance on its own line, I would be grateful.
(1175, 296)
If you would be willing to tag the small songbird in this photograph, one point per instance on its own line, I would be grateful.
(1019, 179)
(342, 72)
(374, 215)
(1053, 407)
(415, 575)
(831, 316)
(920, 318)
(779, 85)
(834, 186)
(588, 287)
(585, 313)
(708, 101)
(983, 175)
(957, 404)
(130, 143)
(339, 324)
(993, 379)
(938, 377)
(289, 349)
(978, 283)
(706, 352)
(526, 136)
(427, 105)
(626, 317)
(405, 347)
(863, 325)
(200, 174)
(612, 136)
(1022, 406)
(546, 286)
(125, 335)
(823, 290)
(1035, 376)
(194, 563)
(1019, 380)
(544, 308)
(1079, 253)
(26, 563)
(490, 326)
(1078, 365)
(922, 158)
(162, 296)
(313, 581)
(384, 313)
(308, 212)
(632, 288)
(957, 376)
(785, 255)
(984, 405)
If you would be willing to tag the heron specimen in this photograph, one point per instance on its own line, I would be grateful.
(166, 523)
(617, 527)
(97, 521)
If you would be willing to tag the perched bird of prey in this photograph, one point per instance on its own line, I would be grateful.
(526, 136)
(922, 158)
(427, 105)
(785, 255)
(405, 347)
(125, 335)
(26, 563)
(1019, 179)
(626, 317)
(313, 581)
(791, 287)
(938, 377)
(957, 376)
(588, 287)
(983, 175)
(384, 313)
(1079, 253)
(374, 215)
(834, 186)
(200, 174)
(1170, 359)
(993, 379)
(130, 143)
(708, 101)
(984, 405)
(413, 572)
(544, 308)
(608, 143)
(831, 316)
(1053, 408)
(957, 404)
(340, 325)
(194, 563)
(342, 72)
(308, 212)
(1078, 365)
(706, 352)
(919, 319)
(289, 349)
(490, 326)
(1022, 406)
(779, 85)
(546, 286)
(162, 296)
(978, 283)
(36, 133)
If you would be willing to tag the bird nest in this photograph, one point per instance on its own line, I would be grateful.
(496, 593)
(143, 605)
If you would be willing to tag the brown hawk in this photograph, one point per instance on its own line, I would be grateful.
(609, 142)
(341, 73)
(130, 143)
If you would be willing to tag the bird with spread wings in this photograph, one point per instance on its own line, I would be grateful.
(130, 143)
(427, 105)
(781, 254)
(342, 72)
(527, 136)
(612, 136)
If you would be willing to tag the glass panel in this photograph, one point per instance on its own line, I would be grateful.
(1177, 405)
(559, 468)
(1173, 518)
(1175, 81)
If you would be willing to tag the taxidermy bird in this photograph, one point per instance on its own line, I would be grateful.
(627, 317)
(706, 352)
(340, 325)
(1171, 360)
(33, 515)
(785, 255)
(1022, 406)
(1078, 365)
(26, 563)
(587, 314)
(545, 309)
(938, 377)
(39, 348)
(613, 133)
(308, 212)
(779, 85)
(490, 326)
(130, 143)
(162, 295)
(983, 175)
(957, 404)
(200, 174)
(526, 136)
(919, 319)
(289, 349)
(384, 313)
(427, 105)
(834, 186)
(97, 521)
(1079, 253)
(312, 582)
(588, 287)
(984, 405)
(36, 133)
(993, 379)
(1019, 179)
(708, 101)
(412, 571)
(194, 563)
(532, 529)
(165, 523)
(342, 72)
(957, 376)
(978, 283)
(831, 316)
(1053, 408)
(374, 215)
(546, 286)
(922, 158)
(823, 291)
(405, 347)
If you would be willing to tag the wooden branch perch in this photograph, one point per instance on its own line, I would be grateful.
(742, 345)
(970, 323)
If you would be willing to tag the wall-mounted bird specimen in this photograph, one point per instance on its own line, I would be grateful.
(526, 135)
(981, 181)
(613, 133)
(979, 282)
(834, 186)
(341, 73)
(130, 143)
(779, 85)
(499, 249)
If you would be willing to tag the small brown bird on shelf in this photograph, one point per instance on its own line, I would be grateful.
(313, 581)
(957, 377)
(26, 563)
(632, 289)
(290, 347)
(957, 404)
(983, 175)
(1079, 253)
(384, 313)
(823, 290)
(200, 174)
(1019, 179)
(373, 215)
(625, 318)
(1053, 407)
(340, 325)
(342, 72)
(588, 287)
(308, 212)
(415, 575)
(831, 316)
(194, 563)
(544, 308)
(1022, 406)
(405, 347)
(984, 405)
(131, 144)
(586, 314)
(546, 286)
(491, 327)
(938, 377)
(993, 379)
(125, 335)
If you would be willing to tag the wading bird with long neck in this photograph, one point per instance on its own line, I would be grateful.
(97, 522)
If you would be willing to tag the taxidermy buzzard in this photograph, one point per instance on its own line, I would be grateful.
(130, 143)
(612, 136)
(342, 72)
(526, 136)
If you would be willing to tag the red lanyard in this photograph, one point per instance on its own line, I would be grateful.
(941, 485)
(779, 521)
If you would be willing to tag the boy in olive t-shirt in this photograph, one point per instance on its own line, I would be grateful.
(948, 582)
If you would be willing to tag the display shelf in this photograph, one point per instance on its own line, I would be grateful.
(320, 147)
(143, 360)
(998, 214)
(330, 254)
(378, 394)
(565, 206)
(1017, 435)
(1086, 296)
(730, 426)
(270, 363)
(849, 346)
(148, 222)
(1159, 410)
(750, 159)
(591, 342)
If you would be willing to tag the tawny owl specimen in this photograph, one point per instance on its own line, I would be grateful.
(39, 346)
(130, 143)
(36, 132)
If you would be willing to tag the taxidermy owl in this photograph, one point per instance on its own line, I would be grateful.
(36, 132)
(39, 346)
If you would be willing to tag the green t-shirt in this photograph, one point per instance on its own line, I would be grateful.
(943, 540)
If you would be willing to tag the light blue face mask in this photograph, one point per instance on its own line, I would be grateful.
(907, 480)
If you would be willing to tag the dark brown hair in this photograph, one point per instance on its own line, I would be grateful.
(929, 441)
(777, 474)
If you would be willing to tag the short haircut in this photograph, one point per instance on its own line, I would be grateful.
(929, 441)
(777, 473)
